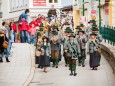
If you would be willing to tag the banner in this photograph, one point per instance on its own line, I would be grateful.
(39, 2)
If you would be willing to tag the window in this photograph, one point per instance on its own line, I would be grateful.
(16, 5)
(53, 1)
(50, 1)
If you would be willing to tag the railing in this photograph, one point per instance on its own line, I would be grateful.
(108, 33)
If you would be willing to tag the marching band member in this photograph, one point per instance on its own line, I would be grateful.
(55, 43)
(73, 49)
(65, 38)
(82, 40)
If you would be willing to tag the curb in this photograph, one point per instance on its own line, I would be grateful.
(109, 55)
(32, 71)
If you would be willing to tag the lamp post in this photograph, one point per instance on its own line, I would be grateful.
(83, 8)
(99, 14)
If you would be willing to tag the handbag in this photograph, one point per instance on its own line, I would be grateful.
(38, 53)
(99, 50)
(5, 43)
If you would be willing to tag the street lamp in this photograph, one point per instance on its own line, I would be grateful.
(83, 8)
(99, 14)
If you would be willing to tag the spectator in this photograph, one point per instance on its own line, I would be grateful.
(32, 31)
(52, 13)
(24, 15)
(3, 50)
(24, 29)
(39, 20)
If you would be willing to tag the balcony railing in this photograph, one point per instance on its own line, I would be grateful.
(108, 33)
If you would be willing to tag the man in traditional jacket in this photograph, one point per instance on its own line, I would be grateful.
(73, 49)
(82, 40)
(76, 31)
(65, 38)
(55, 47)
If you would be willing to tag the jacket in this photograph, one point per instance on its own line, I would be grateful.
(14, 28)
(47, 50)
(23, 26)
(52, 12)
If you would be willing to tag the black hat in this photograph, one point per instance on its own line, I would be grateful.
(68, 30)
(80, 30)
(93, 34)
(38, 34)
(81, 25)
(55, 27)
(45, 37)
(72, 35)
(54, 32)
(77, 27)
(95, 29)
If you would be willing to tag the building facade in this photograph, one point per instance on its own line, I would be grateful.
(12, 9)
(107, 11)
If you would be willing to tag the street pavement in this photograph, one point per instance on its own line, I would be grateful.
(18, 70)
(86, 77)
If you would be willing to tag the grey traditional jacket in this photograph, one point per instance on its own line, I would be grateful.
(55, 46)
(82, 40)
(48, 50)
(93, 46)
(73, 48)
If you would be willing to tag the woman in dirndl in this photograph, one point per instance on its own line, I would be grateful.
(46, 51)
(93, 51)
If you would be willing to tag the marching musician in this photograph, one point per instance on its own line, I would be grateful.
(55, 47)
(82, 40)
(73, 49)
(65, 38)
(76, 31)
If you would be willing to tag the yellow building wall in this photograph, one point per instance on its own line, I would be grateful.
(76, 17)
(110, 13)
(113, 13)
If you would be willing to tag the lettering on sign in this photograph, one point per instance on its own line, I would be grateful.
(39, 2)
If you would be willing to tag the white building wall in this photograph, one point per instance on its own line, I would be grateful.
(13, 8)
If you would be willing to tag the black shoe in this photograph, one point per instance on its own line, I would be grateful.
(83, 65)
(7, 60)
(71, 74)
(75, 74)
(56, 66)
(66, 65)
(95, 68)
(38, 66)
(1, 60)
